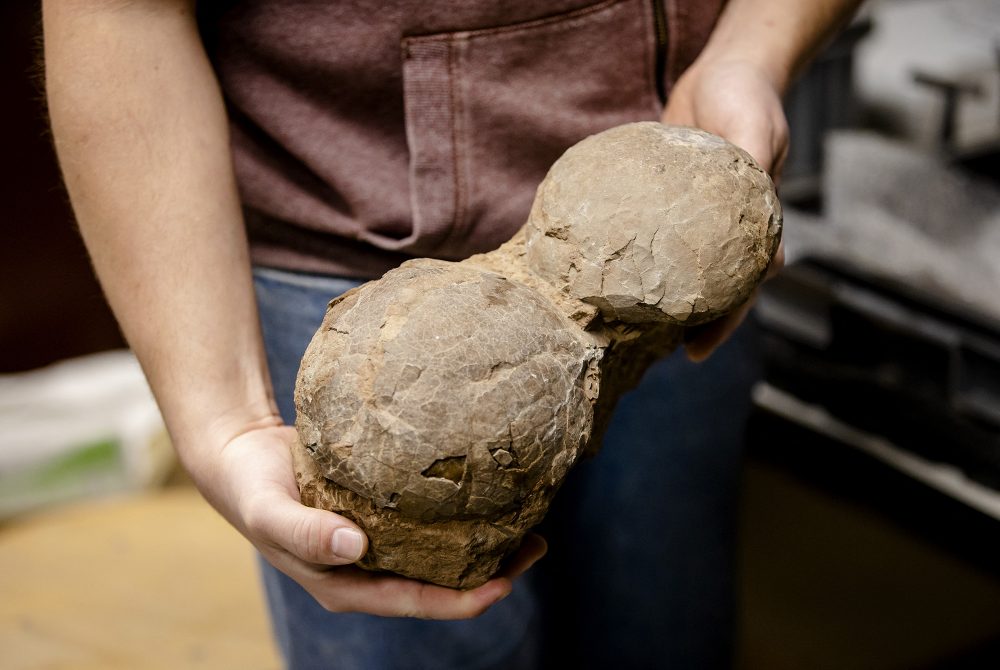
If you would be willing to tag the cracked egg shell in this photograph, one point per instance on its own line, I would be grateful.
(655, 223)
(453, 393)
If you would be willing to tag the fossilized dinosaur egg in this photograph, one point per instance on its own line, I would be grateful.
(441, 406)
(444, 392)
(655, 223)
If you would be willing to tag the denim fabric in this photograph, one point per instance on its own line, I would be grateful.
(640, 571)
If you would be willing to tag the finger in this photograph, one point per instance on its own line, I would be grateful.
(701, 341)
(674, 115)
(312, 535)
(532, 548)
(777, 262)
(436, 602)
(765, 137)
(760, 154)
(351, 589)
(779, 164)
(705, 339)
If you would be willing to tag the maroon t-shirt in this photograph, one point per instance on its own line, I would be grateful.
(368, 133)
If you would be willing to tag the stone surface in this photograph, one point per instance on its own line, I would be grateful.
(443, 402)
(671, 224)
(441, 406)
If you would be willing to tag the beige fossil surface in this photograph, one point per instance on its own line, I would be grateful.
(441, 406)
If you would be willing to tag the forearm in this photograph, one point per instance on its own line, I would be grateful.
(142, 138)
(778, 36)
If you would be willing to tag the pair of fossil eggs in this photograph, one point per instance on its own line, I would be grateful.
(443, 404)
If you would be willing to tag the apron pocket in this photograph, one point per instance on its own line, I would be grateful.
(488, 111)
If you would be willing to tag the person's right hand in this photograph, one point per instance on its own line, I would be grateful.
(252, 484)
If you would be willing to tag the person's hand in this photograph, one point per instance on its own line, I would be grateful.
(251, 483)
(739, 102)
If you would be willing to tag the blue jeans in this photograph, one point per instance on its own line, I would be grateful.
(640, 571)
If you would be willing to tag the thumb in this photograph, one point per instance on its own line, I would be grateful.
(758, 148)
(313, 535)
(766, 140)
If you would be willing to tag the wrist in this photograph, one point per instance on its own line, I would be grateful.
(775, 37)
(205, 430)
(230, 424)
(775, 71)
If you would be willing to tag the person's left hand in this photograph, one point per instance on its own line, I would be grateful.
(736, 100)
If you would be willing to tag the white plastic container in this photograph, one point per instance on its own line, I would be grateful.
(79, 428)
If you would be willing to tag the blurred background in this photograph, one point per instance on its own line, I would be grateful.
(871, 495)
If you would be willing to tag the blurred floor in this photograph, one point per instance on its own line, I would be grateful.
(151, 581)
(846, 564)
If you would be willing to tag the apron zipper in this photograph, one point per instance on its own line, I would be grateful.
(660, 21)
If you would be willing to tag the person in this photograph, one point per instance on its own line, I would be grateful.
(346, 139)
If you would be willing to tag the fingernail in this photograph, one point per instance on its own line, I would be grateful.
(696, 356)
(348, 543)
